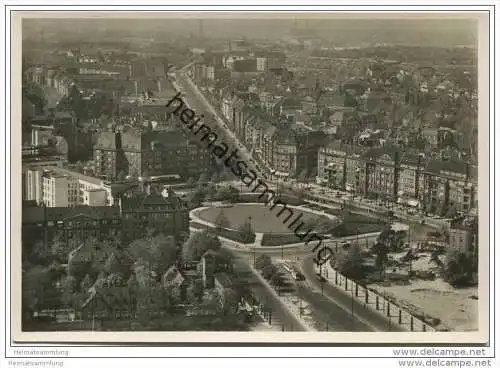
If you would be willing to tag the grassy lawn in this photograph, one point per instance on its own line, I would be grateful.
(274, 240)
(263, 219)
(351, 229)
(275, 232)
(353, 223)
(229, 234)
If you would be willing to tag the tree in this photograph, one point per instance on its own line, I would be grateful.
(301, 177)
(276, 280)
(36, 95)
(113, 265)
(204, 178)
(442, 209)
(199, 243)
(143, 274)
(262, 261)
(159, 253)
(227, 193)
(35, 283)
(80, 263)
(68, 290)
(211, 302)
(152, 302)
(122, 175)
(385, 236)
(215, 178)
(221, 221)
(230, 302)
(173, 295)
(85, 284)
(198, 196)
(381, 251)
(350, 262)
(39, 253)
(459, 268)
(247, 233)
(195, 291)
(211, 191)
(268, 271)
(58, 249)
(435, 259)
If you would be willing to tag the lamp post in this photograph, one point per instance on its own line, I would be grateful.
(277, 178)
(352, 304)
(250, 230)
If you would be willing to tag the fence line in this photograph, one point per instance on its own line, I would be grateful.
(375, 301)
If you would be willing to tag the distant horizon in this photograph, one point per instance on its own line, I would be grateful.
(435, 32)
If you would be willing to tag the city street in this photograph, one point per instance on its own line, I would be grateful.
(280, 314)
(334, 310)
(328, 315)
(201, 105)
(348, 305)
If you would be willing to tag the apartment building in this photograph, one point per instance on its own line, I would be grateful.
(411, 177)
(460, 238)
(464, 235)
(356, 170)
(332, 162)
(58, 190)
(162, 152)
(262, 64)
(59, 187)
(69, 223)
(382, 172)
(284, 157)
(308, 144)
(450, 182)
(203, 71)
(150, 209)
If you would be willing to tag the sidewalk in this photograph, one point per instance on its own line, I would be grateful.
(287, 302)
(258, 240)
(394, 314)
(284, 301)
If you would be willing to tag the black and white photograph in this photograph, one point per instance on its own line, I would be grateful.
(264, 174)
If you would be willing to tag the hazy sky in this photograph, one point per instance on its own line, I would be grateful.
(431, 32)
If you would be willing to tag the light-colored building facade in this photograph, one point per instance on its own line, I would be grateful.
(285, 154)
(95, 197)
(33, 183)
(58, 187)
(460, 239)
(58, 190)
(381, 176)
(332, 165)
(450, 183)
(262, 64)
(411, 177)
(356, 171)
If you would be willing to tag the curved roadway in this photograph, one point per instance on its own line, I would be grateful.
(334, 308)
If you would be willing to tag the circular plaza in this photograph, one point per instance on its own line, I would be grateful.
(263, 219)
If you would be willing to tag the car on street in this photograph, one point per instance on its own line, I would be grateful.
(297, 276)
(320, 277)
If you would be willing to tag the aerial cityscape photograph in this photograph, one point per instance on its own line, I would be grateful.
(275, 174)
